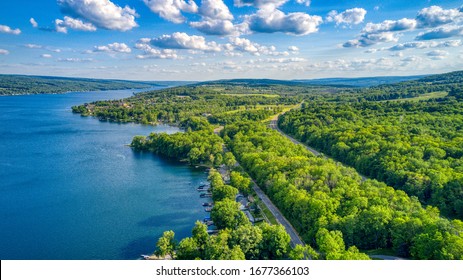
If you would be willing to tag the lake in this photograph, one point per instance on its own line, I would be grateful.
(70, 188)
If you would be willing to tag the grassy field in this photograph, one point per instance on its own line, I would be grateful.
(426, 96)
(243, 108)
(251, 94)
(286, 108)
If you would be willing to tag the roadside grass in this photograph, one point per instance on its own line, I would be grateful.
(264, 211)
(381, 251)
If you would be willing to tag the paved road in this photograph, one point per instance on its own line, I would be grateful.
(295, 239)
(386, 258)
(274, 125)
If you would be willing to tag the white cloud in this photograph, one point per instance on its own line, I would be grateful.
(33, 22)
(171, 10)
(390, 26)
(114, 47)
(76, 24)
(277, 60)
(245, 45)
(101, 13)
(199, 45)
(343, 65)
(304, 2)
(293, 49)
(161, 54)
(271, 20)
(150, 52)
(9, 30)
(441, 33)
(180, 40)
(216, 19)
(215, 27)
(261, 3)
(447, 22)
(412, 58)
(46, 55)
(368, 39)
(437, 54)
(4, 52)
(425, 45)
(350, 16)
(215, 9)
(397, 54)
(33, 46)
(381, 32)
(436, 16)
(75, 60)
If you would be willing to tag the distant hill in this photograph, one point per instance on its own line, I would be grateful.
(21, 84)
(253, 82)
(331, 82)
(432, 85)
(360, 82)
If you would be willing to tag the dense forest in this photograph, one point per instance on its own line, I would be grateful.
(442, 83)
(18, 84)
(414, 146)
(404, 136)
(319, 196)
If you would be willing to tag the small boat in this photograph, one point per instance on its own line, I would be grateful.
(208, 204)
(212, 231)
(145, 257)
(209, 223)
(208, 209)
(207, 219)
(205, 195)
(201, 187)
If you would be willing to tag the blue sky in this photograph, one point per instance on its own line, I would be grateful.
(224, 39)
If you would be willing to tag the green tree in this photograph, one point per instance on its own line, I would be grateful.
(275, 242)
(227, 214)
(138, 142)
(428, 246)
(166, 244)
(248, 237)
(224, 192)
(194, 156)
(218, 249)
(188, 249)
(243, 184)
(229, 160)
(354, 254)
(330, 243)
(200, 236)
(215, 178)
(305, 252)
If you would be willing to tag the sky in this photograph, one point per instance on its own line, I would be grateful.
(225, 39)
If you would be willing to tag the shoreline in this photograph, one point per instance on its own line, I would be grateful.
(73, 91)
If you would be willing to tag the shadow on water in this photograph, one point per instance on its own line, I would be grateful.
(163, 159)
(139, 246)
(147, 244)
(165, 219)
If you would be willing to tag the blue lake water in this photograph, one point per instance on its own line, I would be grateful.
(71, 189)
